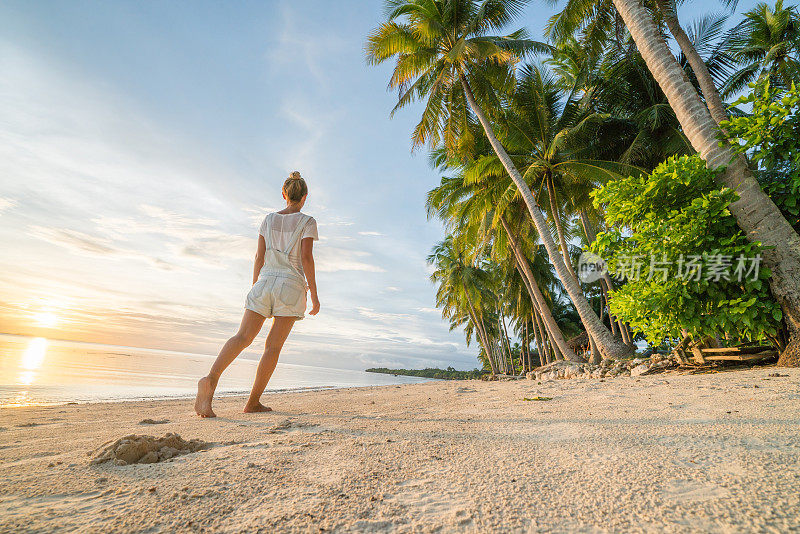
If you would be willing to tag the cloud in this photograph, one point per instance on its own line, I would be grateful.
(296, 45)
(383, 317)
(215, 250)
(174, 219)
(82, 243)
(6, 203)
(370, 233)
(194, 238)
(334, 259)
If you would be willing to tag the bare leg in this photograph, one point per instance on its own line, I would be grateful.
(248, 330)
(281, 326)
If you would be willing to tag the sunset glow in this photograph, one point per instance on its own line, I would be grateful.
(46, 319)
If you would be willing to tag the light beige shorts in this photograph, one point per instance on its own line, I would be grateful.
(277, 296)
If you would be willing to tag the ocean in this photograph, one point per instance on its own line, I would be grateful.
(40, 371)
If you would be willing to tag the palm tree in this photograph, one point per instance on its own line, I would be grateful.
(755, 212)
(461, 287)
(595, 18)
(442, 51)
(553, 143)
(708, 87)
(767, 41)
(469, 211)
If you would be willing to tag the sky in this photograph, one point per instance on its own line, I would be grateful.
(141, 144)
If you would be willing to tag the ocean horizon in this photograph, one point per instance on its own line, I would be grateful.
(37, 371)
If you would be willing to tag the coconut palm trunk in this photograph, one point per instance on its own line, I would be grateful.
(527, 365)
(508, 344)
(539, 335)
(609, 347)
(606, 284)
(481, 333)
(548, 351)
(551, 194)
(704, 79)
(754, 211)
(536, 295)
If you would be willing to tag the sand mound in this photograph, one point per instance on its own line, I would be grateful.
(134, 449)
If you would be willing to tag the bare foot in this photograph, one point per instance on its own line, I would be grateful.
(257, 408)
(202, 403)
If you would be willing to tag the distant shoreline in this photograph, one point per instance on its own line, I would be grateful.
(430, 372)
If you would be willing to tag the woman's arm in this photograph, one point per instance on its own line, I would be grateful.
(307, 259)
(258, 263)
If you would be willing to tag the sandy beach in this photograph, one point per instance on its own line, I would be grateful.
(666, 453)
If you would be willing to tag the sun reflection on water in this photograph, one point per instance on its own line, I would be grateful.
(32, 360)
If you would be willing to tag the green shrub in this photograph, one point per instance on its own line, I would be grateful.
(770, 136)
(665, 225)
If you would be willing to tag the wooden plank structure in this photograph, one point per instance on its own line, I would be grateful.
(688, 352)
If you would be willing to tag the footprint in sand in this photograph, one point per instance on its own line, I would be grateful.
(288, 424)
(687, 490)
(153, 421)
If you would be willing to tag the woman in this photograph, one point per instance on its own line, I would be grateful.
(283, 272)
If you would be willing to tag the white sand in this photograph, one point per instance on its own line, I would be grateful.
(667, 453)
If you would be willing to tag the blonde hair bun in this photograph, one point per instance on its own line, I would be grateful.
(295, 188)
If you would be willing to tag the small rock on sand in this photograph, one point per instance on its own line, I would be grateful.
(134, 449)
(153, 421)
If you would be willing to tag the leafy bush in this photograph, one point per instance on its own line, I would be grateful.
(665, 225)
(770, 136)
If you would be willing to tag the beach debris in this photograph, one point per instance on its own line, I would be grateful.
(537, 398)
(608, 368)
(136, 449)
(149, 421)
(700, 352)
(777, 375)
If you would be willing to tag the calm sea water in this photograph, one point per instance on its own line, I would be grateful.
(39, 371)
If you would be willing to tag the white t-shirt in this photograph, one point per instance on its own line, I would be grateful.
(282, 228)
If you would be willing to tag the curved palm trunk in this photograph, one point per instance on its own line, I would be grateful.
(549, 356)
(755, 212)
(595, 354)
(707, 86)
(606, 284)
(551, 193)
(539, 335)
(508, 345)
(482, 333)
(527, 365)
(609, 347)
(538, 299)
(504, 354)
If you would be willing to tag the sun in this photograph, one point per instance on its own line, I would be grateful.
(45, 319)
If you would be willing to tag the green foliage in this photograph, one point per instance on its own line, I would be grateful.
(432, 372)
(770, 136)
(667, 222)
